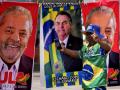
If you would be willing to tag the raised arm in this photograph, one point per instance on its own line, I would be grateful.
(104, 43)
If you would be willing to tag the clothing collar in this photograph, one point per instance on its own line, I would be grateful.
(16, 65)
(64, 41)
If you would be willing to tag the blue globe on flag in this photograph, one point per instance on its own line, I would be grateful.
(87, 72)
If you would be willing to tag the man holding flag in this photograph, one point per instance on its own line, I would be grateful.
(63, 27)
(95, 52)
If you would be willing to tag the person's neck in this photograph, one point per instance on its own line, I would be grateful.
(91, 44)
(62, 38)
(8, 64)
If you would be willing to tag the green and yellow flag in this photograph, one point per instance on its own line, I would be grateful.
(94, 68)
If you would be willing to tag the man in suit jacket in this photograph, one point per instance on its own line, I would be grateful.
(15, 31)
(25, 67)
(63, 27)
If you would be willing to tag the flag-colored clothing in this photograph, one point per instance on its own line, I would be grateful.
(94, 67)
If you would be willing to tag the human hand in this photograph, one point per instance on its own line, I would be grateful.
(62, 47)
(102, 41)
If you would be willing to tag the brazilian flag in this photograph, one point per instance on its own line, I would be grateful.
(94, 68)
(53, 64)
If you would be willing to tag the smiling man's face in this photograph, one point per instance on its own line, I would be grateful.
(14, 36)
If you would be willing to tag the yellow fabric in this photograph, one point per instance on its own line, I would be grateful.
(54, 53)
(53, 82)
(77, 82)
(46, 56)
(50, 16)
(64, 74)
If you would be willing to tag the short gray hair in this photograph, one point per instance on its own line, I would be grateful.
(104, 9)
(17, 8)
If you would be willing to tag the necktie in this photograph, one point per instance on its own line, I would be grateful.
(63, 44)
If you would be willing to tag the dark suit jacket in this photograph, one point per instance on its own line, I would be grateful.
(25, 67)
(114, 62)
(72, 64)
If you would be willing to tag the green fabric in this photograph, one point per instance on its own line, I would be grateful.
(57, 65)
(92, 57)
(48, 69)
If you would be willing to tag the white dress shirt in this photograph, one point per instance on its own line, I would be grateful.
(64, 41)
(13, 69)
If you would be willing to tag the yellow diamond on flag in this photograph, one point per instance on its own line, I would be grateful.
(93, 73)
